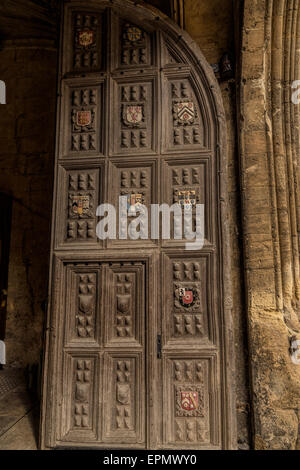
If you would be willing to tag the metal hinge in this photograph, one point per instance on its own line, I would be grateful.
(158, 346)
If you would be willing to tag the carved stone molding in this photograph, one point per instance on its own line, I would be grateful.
(269, 152)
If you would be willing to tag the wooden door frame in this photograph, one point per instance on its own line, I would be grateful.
(59, 255)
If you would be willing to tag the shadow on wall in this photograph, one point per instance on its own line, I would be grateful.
(27, 133)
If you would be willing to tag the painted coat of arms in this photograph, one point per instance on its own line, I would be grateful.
(187, 296)
(83, 118)
(133, 33)
(189, 400)
(187, 199)
(133, 115)
(80, 205)
(134, 201)
(85, 38)
(185, 112)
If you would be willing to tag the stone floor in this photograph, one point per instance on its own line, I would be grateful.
(19, 412)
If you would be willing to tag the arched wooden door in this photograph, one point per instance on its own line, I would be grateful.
(129, 363)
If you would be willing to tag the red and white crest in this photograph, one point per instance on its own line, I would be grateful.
(85, 38)
(83, 118)
(189, 401)
(186, 112)
(187, 296)
(134, 114)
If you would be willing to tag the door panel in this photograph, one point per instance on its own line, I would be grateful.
(188, 180)
(80, 192)
(185, 124)
(187, 304)
(85, 36)
(103, 339)
(191, 417)
(137, 180)
(79, 416)
(83, 119)
(137, 346)
(124, 419)
(135, 132)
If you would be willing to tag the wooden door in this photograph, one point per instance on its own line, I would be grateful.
(130, 362)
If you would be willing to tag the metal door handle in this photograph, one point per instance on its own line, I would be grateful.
(158, 346)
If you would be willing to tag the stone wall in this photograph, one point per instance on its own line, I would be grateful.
(26, 161)
(269, 152)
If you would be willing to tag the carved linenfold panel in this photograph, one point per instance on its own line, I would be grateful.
(135, 127)
(185, 119)
(84, 119)
(82, 202)
(82, 407)
(87, 42)
(189, 411)
(135, 46)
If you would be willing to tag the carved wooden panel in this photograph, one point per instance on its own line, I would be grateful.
(81, 405)
(124, 310)
(187, 182)
(84, 109)
(184, 117)
(77, 214)
(137, 181)
(83, 309)
(87, 42)
(134, 129)
(81, 206)
(171, 55)
(191, 399)
(186, 308)
(135, 46)
(125, 399)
